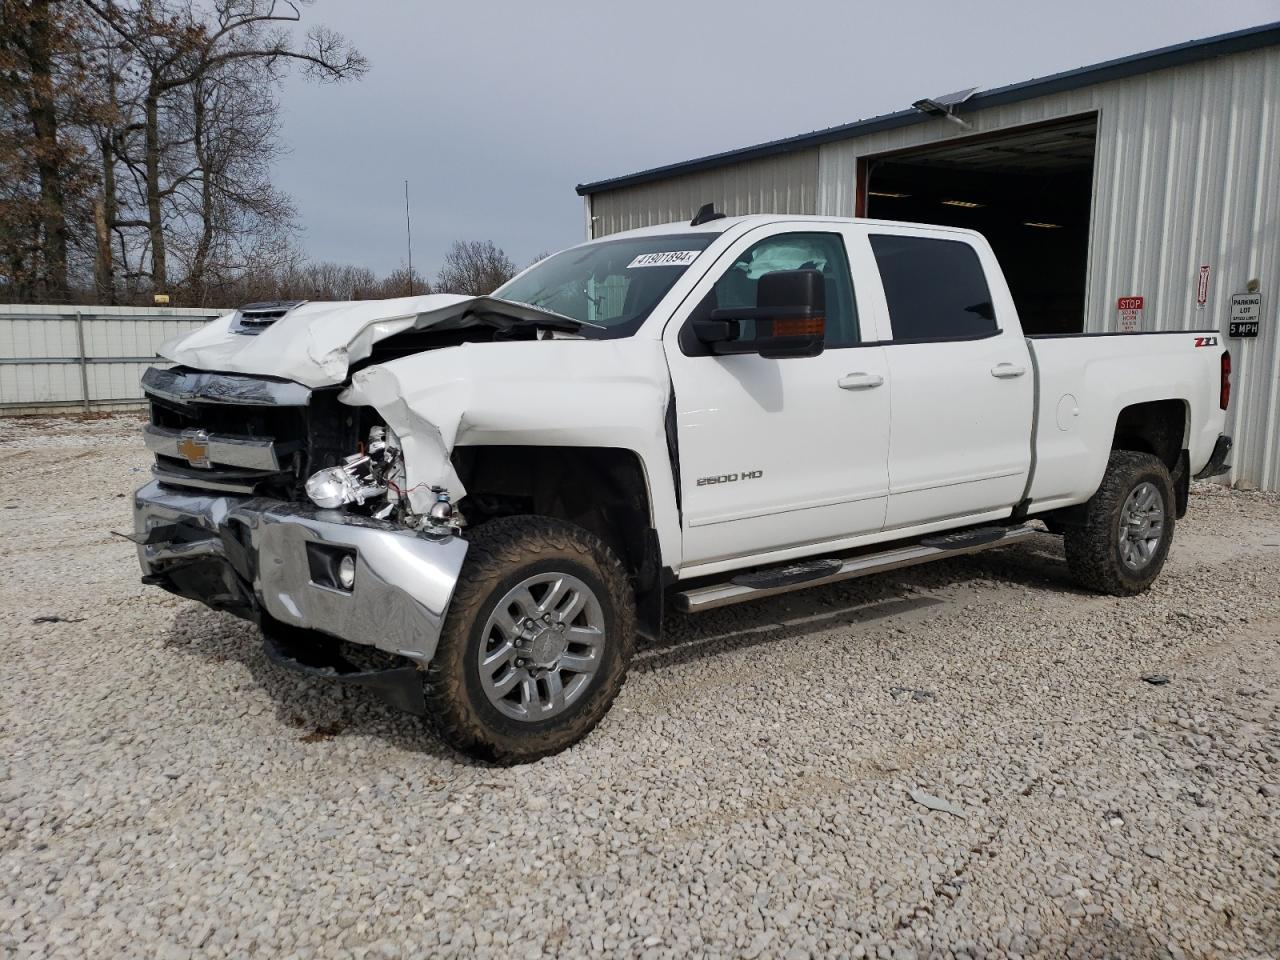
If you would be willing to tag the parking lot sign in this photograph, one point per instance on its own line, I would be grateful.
(1246, 309)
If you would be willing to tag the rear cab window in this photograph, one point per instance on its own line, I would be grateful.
(935, 289)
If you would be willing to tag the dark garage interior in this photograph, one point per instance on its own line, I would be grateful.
(1027, 190)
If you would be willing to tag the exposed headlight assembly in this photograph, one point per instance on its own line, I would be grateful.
(378, 474)
(361, 477)
(350, 483)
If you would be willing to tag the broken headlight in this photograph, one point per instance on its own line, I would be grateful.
(361, 477)
(338, 486)
(377, 474)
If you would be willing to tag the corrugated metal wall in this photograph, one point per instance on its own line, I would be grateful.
(1187, 173)
(43, 369)
(787, 183)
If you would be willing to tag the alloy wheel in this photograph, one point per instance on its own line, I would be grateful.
(541, 646)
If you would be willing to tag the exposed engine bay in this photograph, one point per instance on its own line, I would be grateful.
(374, 481)
(293, 446)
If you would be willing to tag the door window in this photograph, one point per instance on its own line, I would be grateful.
(790, 251)
(935, 289)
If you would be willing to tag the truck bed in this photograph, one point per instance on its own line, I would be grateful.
(1084, 380)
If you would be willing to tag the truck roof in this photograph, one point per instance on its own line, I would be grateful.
(722, 224)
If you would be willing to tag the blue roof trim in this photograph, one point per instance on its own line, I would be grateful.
(1193, 51)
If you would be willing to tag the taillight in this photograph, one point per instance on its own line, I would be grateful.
(1224, 391)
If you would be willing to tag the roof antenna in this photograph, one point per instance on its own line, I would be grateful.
(706, 213)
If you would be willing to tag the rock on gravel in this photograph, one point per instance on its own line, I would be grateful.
(165, 792)
(936, 803)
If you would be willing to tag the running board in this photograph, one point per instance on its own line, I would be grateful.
(814, 573)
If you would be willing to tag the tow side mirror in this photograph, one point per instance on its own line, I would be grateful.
(790, 318)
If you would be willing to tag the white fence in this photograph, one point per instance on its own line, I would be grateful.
(56, 358)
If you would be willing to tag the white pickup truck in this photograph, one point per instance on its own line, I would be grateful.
(474, 504)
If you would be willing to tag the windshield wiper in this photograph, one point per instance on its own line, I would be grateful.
(514, 310)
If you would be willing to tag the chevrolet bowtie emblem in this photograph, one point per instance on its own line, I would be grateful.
(194, 448)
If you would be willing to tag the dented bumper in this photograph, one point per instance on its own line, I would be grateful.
(257, 557)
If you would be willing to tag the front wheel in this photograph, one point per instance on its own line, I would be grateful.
(536, 643)
(1122, 545)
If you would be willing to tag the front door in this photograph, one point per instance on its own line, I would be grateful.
(779, 453)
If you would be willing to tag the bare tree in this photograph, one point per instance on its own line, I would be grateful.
(136, 143)
(474, 267)
(234, 212)
(41, 166)
(181, 60)
(332, 281)
(401, 283)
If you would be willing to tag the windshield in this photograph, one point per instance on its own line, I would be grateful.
(614, 284)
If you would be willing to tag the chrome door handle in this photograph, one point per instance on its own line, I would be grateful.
(1007, 371)
(859, 381)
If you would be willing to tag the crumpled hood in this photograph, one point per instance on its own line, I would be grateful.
(314, 344)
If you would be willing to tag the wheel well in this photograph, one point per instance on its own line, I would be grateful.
(1158, 427)
(601, 489)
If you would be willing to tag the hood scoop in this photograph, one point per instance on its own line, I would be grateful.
(253, 318)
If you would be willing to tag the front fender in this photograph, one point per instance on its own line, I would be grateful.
(539, 393)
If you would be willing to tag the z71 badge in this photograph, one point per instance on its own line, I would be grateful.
(1206, 341)
(731, 477)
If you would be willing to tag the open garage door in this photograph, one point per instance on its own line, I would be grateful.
(1027, 189)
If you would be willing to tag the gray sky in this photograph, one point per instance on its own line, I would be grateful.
(495, 111)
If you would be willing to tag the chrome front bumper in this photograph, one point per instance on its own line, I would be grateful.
(255, 556)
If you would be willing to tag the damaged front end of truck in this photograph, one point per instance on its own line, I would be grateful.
(305, 474)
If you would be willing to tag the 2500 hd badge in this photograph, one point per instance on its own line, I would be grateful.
(731, 477)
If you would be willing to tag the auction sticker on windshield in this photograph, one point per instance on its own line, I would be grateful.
(667, 258)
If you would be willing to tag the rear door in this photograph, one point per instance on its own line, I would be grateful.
(961, 383)
(780, 453)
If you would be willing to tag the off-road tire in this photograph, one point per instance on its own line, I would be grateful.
(1093, 545)
(501, 553)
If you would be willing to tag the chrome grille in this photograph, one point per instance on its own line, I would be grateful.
(208, 450)
(229, 433)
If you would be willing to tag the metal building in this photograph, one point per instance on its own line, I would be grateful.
(1153, 180)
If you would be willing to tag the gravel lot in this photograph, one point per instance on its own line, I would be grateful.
(165, 792)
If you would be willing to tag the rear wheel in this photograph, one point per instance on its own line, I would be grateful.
(1121, 546)
(536, 643)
